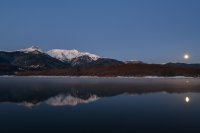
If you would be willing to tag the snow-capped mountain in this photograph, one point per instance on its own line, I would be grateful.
(67, 55)
(29, 59)
(81, 59)
(31, 49)
(34, 58)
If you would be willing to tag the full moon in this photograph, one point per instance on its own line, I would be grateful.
(186, 56)
(187, 99)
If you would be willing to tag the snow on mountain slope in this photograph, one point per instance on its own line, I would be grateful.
(64, 55)
(31, 49)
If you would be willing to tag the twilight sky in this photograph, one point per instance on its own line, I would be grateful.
(154, 31)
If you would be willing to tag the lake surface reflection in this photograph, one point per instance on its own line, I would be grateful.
(72, 104)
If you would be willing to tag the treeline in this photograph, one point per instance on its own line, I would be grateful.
(119, 70)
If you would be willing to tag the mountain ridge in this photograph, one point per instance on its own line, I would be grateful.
(33, 61)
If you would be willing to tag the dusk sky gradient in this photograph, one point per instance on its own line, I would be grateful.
(154, 31)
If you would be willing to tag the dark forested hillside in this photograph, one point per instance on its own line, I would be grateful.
(121, 70)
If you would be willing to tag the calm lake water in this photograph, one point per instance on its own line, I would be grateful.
(64, 104)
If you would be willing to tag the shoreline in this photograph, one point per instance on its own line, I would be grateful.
(103, 77)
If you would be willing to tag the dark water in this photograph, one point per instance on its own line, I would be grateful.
(63, 104)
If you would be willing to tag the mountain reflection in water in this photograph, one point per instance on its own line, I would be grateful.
(62, 91)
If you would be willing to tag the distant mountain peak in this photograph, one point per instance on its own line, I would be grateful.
(31, 49)
(64, 55)
(134, 62)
